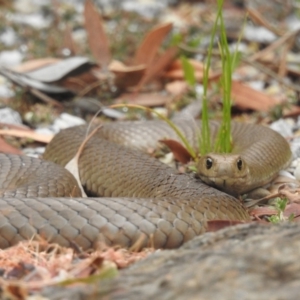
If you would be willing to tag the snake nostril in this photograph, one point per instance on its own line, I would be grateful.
(209, 163)
(239, 164)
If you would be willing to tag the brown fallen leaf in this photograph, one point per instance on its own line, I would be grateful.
(175, 71)
(293, 195)
(27, 134)
(263, 211)
(292, 209)
(179, 151)
(156, 69)
(126, 76)
(97, 38)
(13, 290)
(68, 41)
(145, 99)
(34, 64)
(119, 67)
(179, 75)
(85, 80)
(291, 111)
(177, 88)
(7, 148)
(14, 126)
(148, 49)
(246, 97)
(197, 65)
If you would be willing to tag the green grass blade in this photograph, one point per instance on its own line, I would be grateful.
(204, 139)
(188, 70)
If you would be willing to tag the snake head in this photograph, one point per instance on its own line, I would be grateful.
(227, 172)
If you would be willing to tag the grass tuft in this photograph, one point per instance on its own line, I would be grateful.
(229, 61)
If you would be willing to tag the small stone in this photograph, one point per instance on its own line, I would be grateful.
(297, 171)
(284, 127)
(10, 116)
(34, 152)
(295, 147)
(10, 58)
(65, 121)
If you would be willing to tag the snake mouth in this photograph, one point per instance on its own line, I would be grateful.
(224, 183)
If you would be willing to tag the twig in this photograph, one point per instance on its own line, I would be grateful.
(45, 98)
(274, 45)
(272, 74)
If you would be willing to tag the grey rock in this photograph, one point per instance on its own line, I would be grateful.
(295, 147)
(259, 34)
(5, 90)
(10, 116)
(34, 152)
(10, 58)
(65, 121)
(284, 127)
(244, 262)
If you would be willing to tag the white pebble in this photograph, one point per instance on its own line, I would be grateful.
(10, 116)
(297, 171)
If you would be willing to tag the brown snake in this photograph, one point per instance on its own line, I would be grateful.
(149, 201)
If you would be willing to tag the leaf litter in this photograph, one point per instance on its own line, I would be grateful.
(33, 265)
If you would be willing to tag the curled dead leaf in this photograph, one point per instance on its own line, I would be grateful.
(27, 134)
(148, 49)
(247, 98)
(97, 38)
(7, 148)
(127, 75)
(179, 151)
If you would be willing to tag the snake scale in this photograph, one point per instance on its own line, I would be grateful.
(133, 197)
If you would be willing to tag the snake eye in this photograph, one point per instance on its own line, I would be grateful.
(239, 164)
(209, 163)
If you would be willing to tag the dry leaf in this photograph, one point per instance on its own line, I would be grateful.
(57, 71)
(291, 111)
(179, 151)
(292, 209)
(7, 148)
(34, 64)
(14, 126)
(126, 76)
(263, 211)
(145, 99)
(82, 82)
(147, 50)
(68, 41)
(175, 71)
(293, 195)
(29, 83)
(118, 67)
(156, 69)
(30, 134)
(177, 88)
(247, 98)
(97, 38)
(197, 65)
(179, 75)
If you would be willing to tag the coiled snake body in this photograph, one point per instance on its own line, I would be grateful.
(142, 199)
